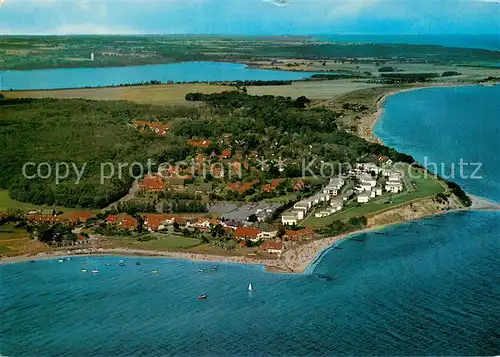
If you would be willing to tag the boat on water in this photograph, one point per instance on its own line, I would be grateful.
(68, 258)
(32, 261)
(250, 287)
(121, 263)
(107, 264)
(60, 260)
(95, 271)
(84, 270)
(137, 263)
(202, 297)
(214, 268)
(201, 270)
(154, 271)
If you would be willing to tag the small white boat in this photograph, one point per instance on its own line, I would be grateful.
(60, 261)
(250, 288)
(68, 258)
(95, 271)
(154, 271)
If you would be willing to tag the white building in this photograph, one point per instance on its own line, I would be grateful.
(378, 190)
(299, 213)
(368, 179)
(337, 204)
(364, 197)
(394, 187)
(267, 234)
(289, 219)
(366, 187)
(368, 167)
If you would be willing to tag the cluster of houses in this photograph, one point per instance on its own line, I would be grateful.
(369, 188)
(301, 208)
(144, 126)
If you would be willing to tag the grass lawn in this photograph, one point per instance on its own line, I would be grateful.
(282, 199)
(165, 94)
(6, 202)
(424, 187)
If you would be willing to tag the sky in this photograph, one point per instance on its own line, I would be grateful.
(253, 17)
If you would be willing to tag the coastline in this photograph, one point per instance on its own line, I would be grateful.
(296, 258)
(368, 122)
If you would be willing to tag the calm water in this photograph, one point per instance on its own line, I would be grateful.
(422, 288)
(106, 76)
(447, 125)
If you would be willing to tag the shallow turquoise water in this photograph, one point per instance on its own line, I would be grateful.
(429, 287)
(443, 126)
(107, 76)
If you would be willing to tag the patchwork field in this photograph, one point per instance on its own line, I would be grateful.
(168, 94)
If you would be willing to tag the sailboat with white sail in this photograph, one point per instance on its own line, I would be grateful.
(250, 288)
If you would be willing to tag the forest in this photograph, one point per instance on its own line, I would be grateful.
(93, 132)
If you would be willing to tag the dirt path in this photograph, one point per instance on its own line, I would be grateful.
(130, 195)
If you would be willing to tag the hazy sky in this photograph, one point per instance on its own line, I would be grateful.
(250, 16)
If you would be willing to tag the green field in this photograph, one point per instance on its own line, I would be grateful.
(7, 203)
(424, 187)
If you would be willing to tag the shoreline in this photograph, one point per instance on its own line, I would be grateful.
(368, 122)
(298, 259)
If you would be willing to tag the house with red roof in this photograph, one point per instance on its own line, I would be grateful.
(199, 143)
(301, 234)
(145, 126)
(226, 154)
(244, 233)
(122, 221)
(152, 183)
(80, 217)
(273, 185)
(48, 219)
(128, 223)
(299, 186)
(157, 222)
(272, 247)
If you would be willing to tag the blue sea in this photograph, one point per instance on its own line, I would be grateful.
(421, 288)
(428, 287)
(108, 76)
(440, 127)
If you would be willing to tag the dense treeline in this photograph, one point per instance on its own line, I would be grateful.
(297, 132)
(91, 133)
(76, 132)
(332, 76)
(60, 51)
(260, 83)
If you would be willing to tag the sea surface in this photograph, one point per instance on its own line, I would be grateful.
(421, 288)
(440, 127)
(108, 76)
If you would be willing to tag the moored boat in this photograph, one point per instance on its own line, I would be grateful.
(201, 270)
(84, 270)
(202, 297)
(154, 271)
